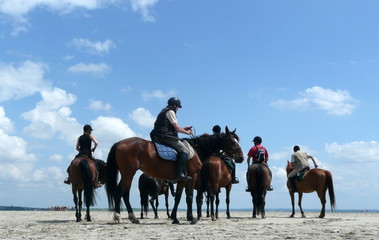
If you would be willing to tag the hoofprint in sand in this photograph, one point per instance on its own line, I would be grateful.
(61, 225)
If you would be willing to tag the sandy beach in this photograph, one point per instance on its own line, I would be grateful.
(277, 225)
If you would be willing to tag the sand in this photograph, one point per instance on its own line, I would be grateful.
(277, 225)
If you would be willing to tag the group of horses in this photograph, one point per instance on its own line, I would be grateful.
(206, 168)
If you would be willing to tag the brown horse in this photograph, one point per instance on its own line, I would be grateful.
(131, 154)
(258, 180)
(82, 173)
(214, 176)
(153, 187)
(318, 180)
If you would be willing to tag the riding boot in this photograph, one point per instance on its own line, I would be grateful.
(234, 178)
(181, 166)
(293, 183)
(67, 180)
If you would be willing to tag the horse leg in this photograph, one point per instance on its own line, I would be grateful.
(228, 201)
(322, 195)
(292, 194)
(131, 216)
(208, 203)
(178, 196)
(88, 214)
(153, 200)
(144, 203)
(217, 203)
(77, 212)
(212, 199)
(199, 203)
(263, 204)
(166, 203)
(301, 209)
(254, 200)
(189, 201)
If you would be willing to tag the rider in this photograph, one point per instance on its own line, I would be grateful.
(166, 129)
(299, 161)
(227, 160)
(252, 155)
(83, 146)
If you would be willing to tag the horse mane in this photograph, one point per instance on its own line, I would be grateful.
(205, 145)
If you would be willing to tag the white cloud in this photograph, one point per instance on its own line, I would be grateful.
(56, 158)
(144, 7)
(18, 9)
(360, 152)
(158, 94)
(96, 48)
(109, 130)
(143, 117)
(95, 69)
(99, 105)
(53, 115)
(22, 81)
(337, 102)
(5, 123)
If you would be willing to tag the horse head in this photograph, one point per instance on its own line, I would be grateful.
(231, 145)
(289, 168)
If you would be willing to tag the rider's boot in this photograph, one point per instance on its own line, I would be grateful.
(67, 181)
(234, 178)
(181, 166)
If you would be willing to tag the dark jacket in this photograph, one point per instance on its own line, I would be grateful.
(85, 145)
(162, 126)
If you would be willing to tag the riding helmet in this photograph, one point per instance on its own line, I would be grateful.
(174, 101)
(87, 127)
(257, 140)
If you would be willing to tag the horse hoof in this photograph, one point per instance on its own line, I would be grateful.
(292, 216)
(193, 222)
(175, 221)
(135, 221)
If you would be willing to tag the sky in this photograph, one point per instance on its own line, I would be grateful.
(293, 72)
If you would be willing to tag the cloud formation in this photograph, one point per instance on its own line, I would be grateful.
(338, 102)
(357, 152)
(21, 81)
(157, 94)
(94, 69)
(143, 117)
(95, 48)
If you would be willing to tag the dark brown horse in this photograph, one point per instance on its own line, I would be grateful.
(82, 173)
(214, 176)
(318, 180)
(131, 154)
(258, 181)
(153, 187)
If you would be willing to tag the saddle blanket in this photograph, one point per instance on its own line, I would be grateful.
(300, 175)
(168, 153)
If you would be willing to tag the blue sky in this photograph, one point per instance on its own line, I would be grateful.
(293, 72)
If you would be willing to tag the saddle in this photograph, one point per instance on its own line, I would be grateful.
(168, 153)
(300, 175)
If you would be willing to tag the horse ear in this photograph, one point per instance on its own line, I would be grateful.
(226, 129)
(234, 131)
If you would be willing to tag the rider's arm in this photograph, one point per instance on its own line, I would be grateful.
(77, 145)
(179, 129)
(313, 160)
(95, 142)
(248, 161)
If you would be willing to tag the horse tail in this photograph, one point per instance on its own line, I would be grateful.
(329, 184)
(204, 176)
(111, 176)
(143, 191)
(89, 193)
(259, 189)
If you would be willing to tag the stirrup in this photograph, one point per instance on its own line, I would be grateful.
(235, 181)
(67, 181)
(183, 177)
(270, 188)
(248, 189)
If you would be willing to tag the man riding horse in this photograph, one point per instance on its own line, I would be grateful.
(166, 129)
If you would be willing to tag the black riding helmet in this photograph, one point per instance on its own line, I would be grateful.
(174, 101)
(257, 140)
(87, 127)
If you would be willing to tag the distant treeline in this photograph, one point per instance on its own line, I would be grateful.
(17, 208)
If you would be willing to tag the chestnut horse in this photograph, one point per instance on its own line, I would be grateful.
(82, 173)
(258, 180)
(153, 187)
(131, 154)
(318, 180)
(214, 176)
